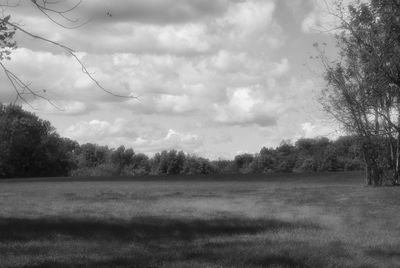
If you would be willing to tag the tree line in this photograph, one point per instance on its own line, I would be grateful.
(31, 147)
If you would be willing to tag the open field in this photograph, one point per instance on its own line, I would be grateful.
(325, 220)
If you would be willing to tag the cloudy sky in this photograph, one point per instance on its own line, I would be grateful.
(213, 77)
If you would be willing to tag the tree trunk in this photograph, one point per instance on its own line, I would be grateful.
(397, 161)
(377, 175)
(368, 178)
(373, 174)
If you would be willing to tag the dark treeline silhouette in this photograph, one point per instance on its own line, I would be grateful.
(30, 147)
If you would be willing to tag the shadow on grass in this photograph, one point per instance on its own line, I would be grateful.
(383, 253)
(139, 228)
(230, 254)
(279, 261)
(131, 262)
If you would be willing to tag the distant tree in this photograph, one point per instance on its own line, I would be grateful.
(197, 165)
(139, 165)
(91, 155)
(330, 160)
(121, 158)
(242, 162)
(311, 154)
(175, 162)
(266, 160)
(159, 164)
(349, 153)
(285, 157)
(223, 166)
(168, 162)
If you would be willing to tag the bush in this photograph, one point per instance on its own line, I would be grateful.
(103, 170)
(353, 164)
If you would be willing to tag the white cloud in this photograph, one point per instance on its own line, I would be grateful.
(319, 18)
(70, 108)
(101, 131)
(322, 17)
(319, 129)
(138, 135)
(156, 11)
(163, 104)
(247, 106)
(172, 140)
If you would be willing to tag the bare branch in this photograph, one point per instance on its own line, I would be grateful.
(69, 51)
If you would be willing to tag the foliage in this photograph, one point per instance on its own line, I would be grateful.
(363, 83)
(7, 43)
(29, 146)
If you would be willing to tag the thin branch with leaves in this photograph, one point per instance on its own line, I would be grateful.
(7, 44)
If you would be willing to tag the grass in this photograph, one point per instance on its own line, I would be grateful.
(323, 220)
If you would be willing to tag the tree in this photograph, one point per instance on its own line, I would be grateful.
(121, 158)
(267, 159)
(311, 154)
(197, 165)
(175, 162)
(139, 165)
(242, 162)
(168, 162)
(286, 157)
(363, 85)
(57, 12)
(29, 146)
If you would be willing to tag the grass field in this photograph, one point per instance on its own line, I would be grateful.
(324, 220)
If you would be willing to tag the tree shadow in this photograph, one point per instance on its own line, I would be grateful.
(138, 228)
(279, 261)
(139, 261)
(383, 253)
(130, 262)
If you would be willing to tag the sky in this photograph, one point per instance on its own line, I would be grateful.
(213, 78)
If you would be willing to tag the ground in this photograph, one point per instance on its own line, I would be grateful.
(297, 220)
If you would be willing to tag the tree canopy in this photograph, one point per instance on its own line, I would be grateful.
(29, 146)
(363, 89)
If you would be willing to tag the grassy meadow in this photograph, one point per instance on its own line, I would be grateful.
(317, 220)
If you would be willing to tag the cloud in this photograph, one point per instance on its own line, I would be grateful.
(319, 129)
(101, 131)
(111, 35)
(146, 12)
(163, 104)
(59, 77)
(68, 108)
(158, 12)
(161, 26)
(234, 83)
(322, 17)
(172, 140)
(249, 25)
(246, 107)
(141, 136)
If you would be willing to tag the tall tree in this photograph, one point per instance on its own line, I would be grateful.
(362, 91)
